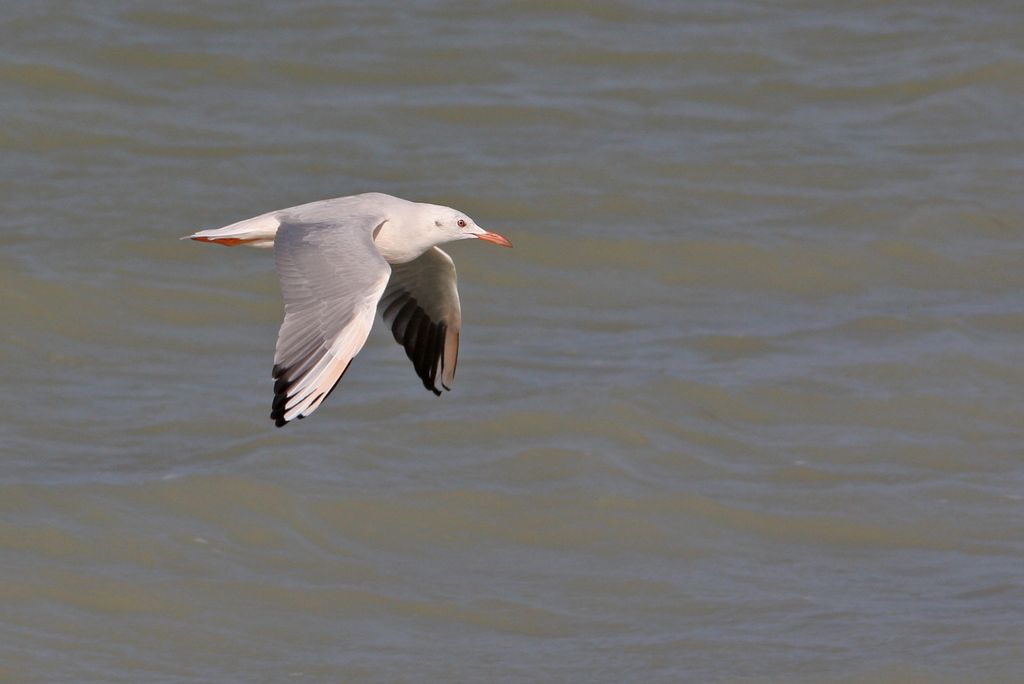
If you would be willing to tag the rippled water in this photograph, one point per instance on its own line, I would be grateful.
(745, 403)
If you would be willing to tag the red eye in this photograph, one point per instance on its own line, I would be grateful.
(462, 223)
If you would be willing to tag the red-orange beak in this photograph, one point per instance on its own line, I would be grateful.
(493, 237)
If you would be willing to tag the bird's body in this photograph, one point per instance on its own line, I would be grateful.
(340, 260)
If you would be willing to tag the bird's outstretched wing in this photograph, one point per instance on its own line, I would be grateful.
(421, 306)
(332, 277)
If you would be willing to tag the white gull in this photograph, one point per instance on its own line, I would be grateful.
(338, 261)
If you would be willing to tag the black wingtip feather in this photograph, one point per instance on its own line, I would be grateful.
(281, 387)
(424, 340)
(412, 333)
(280, 395)
(425, 344)
(437, 349)
(277, 406)
(400, 327)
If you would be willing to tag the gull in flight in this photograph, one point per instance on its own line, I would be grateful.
(338, 261)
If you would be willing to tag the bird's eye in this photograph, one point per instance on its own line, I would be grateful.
(461, 223)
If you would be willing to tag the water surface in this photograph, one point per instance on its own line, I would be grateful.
(745, 403)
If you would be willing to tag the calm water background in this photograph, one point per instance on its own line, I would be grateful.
(745, 403)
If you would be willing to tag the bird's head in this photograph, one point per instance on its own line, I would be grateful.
(449, 224)
(412, 228)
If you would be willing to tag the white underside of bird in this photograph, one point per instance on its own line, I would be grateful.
(341, 260)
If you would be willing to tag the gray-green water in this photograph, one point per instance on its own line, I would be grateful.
(745, 403)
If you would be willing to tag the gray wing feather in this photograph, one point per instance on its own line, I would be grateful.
(332, 277)
(421, 306)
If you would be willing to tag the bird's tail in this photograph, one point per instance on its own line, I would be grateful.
(255, 232)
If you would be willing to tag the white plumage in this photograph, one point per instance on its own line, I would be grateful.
(338, 261)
